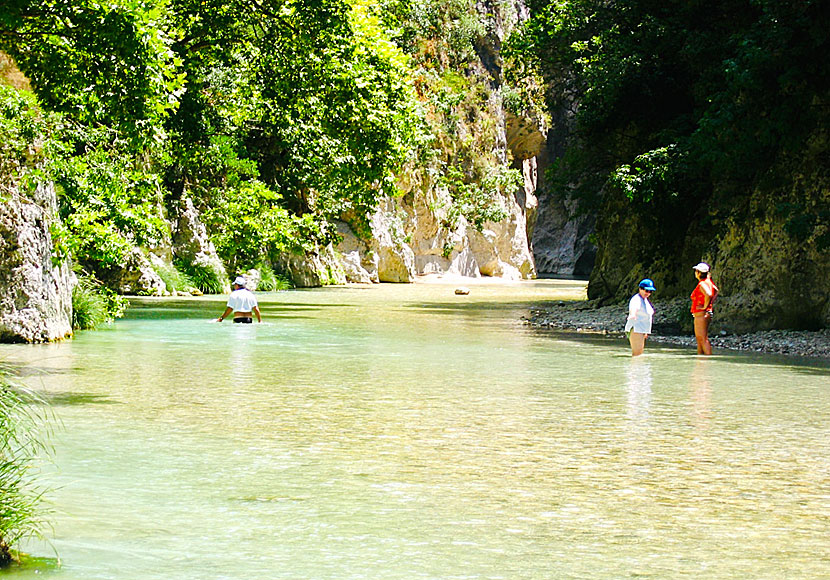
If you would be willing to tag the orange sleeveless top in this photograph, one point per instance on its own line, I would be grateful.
(699, 296)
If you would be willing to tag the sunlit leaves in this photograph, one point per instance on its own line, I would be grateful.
(100, 63)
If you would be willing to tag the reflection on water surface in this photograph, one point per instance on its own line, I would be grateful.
(401, 432)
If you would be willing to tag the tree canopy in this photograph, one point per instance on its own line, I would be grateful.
(680, 104)
(302, 108)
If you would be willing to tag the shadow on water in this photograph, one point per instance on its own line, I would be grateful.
(449, 308)
(802, 365)
(69, 399)
(32, 565)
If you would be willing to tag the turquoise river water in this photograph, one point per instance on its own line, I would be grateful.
(404, 432)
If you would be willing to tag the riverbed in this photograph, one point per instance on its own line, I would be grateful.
(405, 432)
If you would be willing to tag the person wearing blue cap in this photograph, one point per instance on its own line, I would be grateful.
(640, 316)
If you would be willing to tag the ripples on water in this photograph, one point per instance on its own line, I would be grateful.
(405, 432)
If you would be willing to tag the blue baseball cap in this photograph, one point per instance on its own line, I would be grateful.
(647, 284)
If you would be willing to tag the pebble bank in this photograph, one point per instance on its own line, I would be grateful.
(587, 316)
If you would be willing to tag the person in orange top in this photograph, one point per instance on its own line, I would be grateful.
(703, 296)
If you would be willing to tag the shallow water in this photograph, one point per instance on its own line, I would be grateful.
(403, 432)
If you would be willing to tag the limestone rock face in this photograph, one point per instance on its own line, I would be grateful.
(137, 275)
(359, 264)
(525, 137)
(191, 242)
(395, 259)
(768, 278)
(410, 237)
(35, 293)
(310, 270)
(560, 238)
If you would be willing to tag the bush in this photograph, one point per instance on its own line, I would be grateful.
(201, 276)
(22, 421)
(93, 304)
(173, 278)
(270, 282)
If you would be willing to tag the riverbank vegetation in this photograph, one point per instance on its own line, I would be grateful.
(273, 118)
(687, 124)
(23, 444)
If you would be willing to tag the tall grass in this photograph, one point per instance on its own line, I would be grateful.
(269, 281)
(24, 420)
(174, 279)
(94, 305)
(202, 276)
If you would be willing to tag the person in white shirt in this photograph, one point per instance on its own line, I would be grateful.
(640, 316)
(242, 303)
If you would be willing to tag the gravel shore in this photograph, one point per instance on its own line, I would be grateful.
(586, 316)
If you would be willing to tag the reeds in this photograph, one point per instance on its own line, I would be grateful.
(24, 423)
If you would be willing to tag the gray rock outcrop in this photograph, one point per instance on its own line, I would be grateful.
(35, 289)
(138, 275)
(190, 241)
(312, 269)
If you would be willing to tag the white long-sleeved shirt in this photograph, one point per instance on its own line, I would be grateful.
(640, 315)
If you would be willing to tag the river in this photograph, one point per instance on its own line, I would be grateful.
(404, 432)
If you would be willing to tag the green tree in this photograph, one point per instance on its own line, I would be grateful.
(213, 100)
(726, 86)
(310, 98)
(101, 63)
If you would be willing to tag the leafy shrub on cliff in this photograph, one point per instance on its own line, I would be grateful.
(22, 125)
(200, 276)
(173, 277)
(269, 281)
(478, 198)
(94, 305)
(23, 420)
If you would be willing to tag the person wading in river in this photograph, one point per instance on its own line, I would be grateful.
(703, 297)
(242, 303)
(640, 316)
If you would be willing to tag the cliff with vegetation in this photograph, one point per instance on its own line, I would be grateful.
(320, 143)
(695, 132)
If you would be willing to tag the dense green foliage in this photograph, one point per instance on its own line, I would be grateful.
(22, 443)
(94, 305)
(683, 107)
(274, 116)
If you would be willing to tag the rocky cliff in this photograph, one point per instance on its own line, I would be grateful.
(35, 286)
(418, 232)
(769, 250)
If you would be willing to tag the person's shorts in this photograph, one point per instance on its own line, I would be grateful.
(244, 319)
